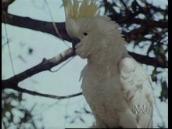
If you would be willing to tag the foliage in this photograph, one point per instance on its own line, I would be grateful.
(14, 114)
(143, 20)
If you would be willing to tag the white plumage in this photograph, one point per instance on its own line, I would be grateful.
(115, 86)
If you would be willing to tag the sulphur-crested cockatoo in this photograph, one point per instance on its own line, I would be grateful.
(115, 85)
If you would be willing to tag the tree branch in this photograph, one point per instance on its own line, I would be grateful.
(46, 64)
(12, 83)
(47, 27)
(149, 60)
(37, 25)
(5, 4)
(34, 93)
(130, 17)
(50, 63)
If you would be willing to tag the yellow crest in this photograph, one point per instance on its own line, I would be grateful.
(77, 9)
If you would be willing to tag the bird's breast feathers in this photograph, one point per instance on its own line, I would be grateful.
(129, 92)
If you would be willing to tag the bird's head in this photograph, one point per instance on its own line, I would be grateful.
(84, 22)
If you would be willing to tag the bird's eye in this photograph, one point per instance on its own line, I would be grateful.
(85, 34)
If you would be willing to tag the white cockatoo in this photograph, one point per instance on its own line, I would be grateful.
(115, 86)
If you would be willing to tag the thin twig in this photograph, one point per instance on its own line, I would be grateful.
(53, 22)
(35, 93)
(124, 4)
(9, 49)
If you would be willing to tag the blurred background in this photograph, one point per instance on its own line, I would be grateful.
(144, 24)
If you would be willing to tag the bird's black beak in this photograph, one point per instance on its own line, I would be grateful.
(74, 42)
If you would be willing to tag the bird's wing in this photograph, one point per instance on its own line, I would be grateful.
(136, 86)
